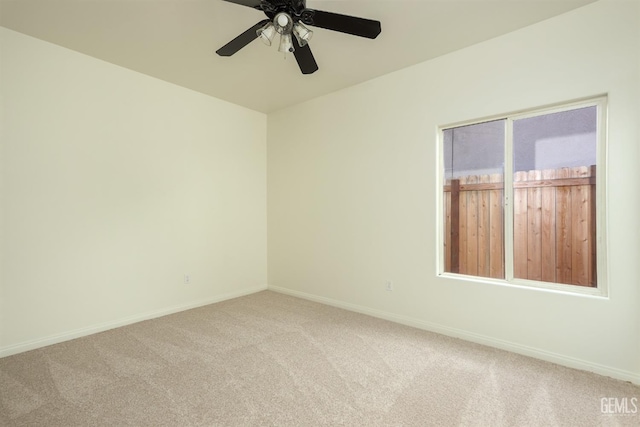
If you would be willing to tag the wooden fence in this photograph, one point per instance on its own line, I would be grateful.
(554, 225)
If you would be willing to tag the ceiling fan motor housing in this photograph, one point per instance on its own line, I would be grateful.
(292, 7)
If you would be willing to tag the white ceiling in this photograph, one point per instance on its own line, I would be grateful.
(176, 40)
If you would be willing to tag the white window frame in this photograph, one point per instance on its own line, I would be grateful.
(601, 289)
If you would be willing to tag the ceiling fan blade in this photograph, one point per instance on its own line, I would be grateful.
(241, 41)
(250, 3)
(306, 61)
(344, 23)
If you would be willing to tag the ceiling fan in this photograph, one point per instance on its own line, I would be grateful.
(287, 18)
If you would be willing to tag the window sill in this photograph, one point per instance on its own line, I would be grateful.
(557, 288)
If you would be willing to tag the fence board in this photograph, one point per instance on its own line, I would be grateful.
(462, 252)
(472, 228)
(580, 231)
(455, 226)
(484, 233)
(563, 229)
(548, 229)
(520, 228)
(496, 214)
(534, 227)
(447, 230)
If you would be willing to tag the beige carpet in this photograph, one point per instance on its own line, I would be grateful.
(271, 359)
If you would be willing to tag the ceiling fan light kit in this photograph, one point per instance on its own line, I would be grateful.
(287, 18)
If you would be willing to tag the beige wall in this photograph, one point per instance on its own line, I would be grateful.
(352, 190)
(114, 185)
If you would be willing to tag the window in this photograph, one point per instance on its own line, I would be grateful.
(520, 198)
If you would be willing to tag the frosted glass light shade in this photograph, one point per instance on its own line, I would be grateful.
(302, 33)
(286, 43)
(266, 33)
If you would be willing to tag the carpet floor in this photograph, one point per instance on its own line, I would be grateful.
(272, 359)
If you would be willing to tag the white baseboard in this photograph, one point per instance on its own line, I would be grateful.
(77, 333)
(537, 353)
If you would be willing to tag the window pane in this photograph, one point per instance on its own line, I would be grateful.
(473, 193)
(554, 197)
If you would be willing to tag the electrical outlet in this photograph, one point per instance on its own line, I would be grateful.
(187, 279)
(389, 285)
